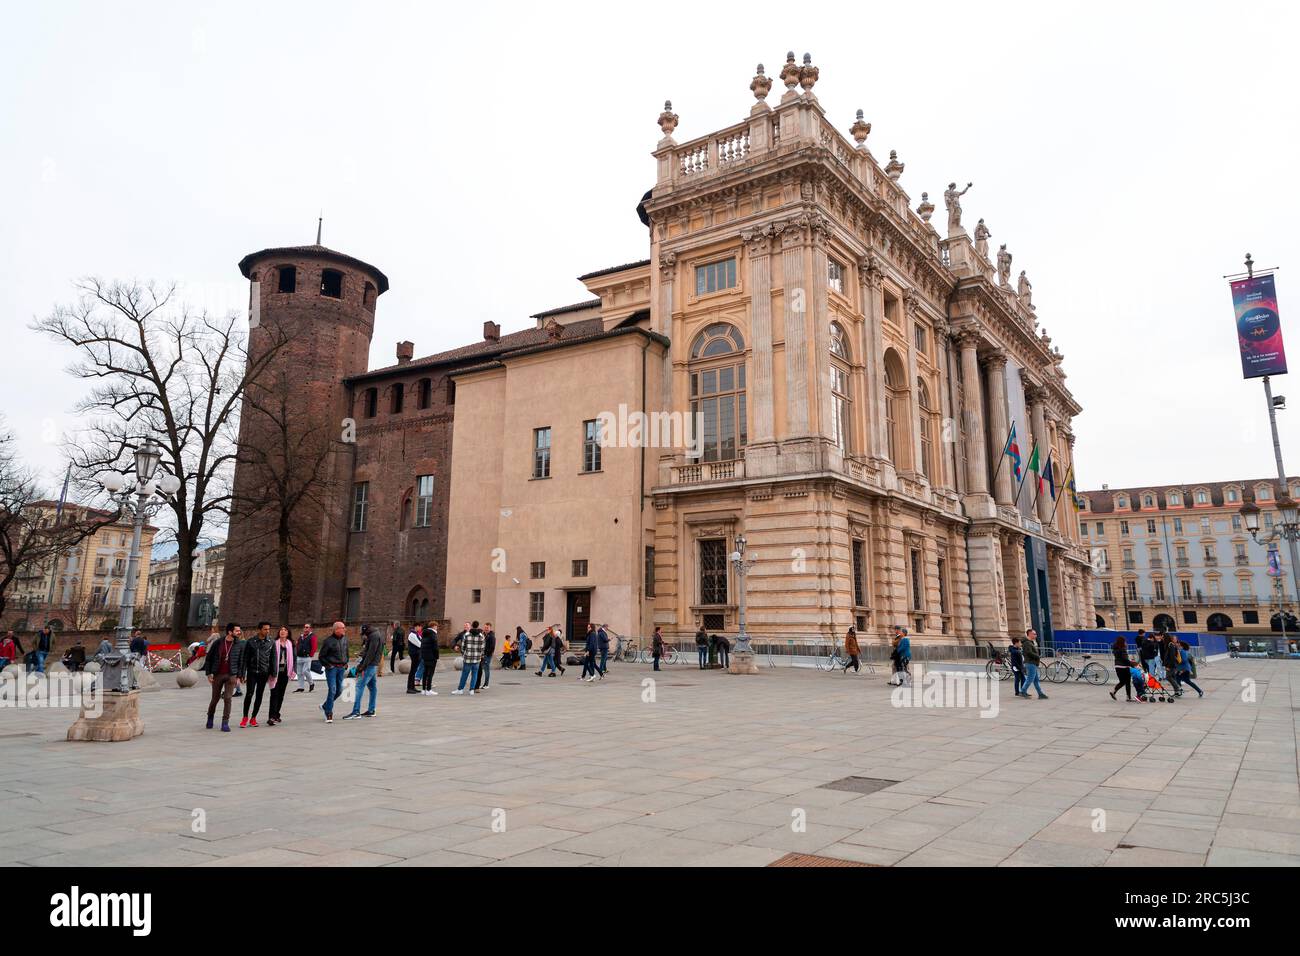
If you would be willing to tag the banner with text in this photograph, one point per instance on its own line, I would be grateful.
(1259, 330)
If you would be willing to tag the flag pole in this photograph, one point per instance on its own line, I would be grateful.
(1021, 488)
(1064, 487)
(1006, 447)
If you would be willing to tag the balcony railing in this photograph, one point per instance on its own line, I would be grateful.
(708, 471)
(1241, 559)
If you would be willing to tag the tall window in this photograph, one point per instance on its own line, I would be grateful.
(541, 452)
(835, 276)
(536, 605)
(360, 505)
(288, 278)
(424, 501)
(927, 412)
(425, 391)
(715, 276)
(398, 398)
(591, 445)
(649, 571)
(859, 573)
(713, 571)
(1151, 526)
(896, 409)
(841, 399)
(718, 391)
(1159, 585)
(943, 586)
(917, 591)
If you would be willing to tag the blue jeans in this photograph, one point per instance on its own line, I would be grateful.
(419, 671)
(604, 659)
(368, 679)
(704, 656)
(1031, 677)
(523, 656)
(39, 658)
(1018, 676)
(548, 660)
(465, 670)
(334, 688)
(484, 678)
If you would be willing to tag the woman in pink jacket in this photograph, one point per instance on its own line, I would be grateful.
(281, 672)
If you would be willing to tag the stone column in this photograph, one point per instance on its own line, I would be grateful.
(758, 243)
(663, 324)
(958, 451)
(977, 477)
(949, 432)
(999, 424)
(873, 307)
(1034, 396)
(796, 301)
(820, 234)
(911, 312)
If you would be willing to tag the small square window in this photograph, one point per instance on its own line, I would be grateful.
(476, 596)
(580, 568)
(537, 570)
(331, 283)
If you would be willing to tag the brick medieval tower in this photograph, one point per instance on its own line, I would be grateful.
(323, 304)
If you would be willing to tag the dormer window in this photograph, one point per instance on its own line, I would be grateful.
(1175, 499)
(331, 283)
(1233, 496)
(1148, 501)
(1263, 493)
(1121, 503)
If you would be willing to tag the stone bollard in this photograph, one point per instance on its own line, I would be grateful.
(404, 666)
(187, 678)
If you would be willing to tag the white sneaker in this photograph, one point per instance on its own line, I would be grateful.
(433, 693)
(424, 693)
(455, 692)
(472, 693)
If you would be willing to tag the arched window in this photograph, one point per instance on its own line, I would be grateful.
(718, 391)
(927, 412)
(841, 396)
(1148, 501)
(896, 403)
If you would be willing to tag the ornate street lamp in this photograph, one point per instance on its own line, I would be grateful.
(743, 655)
(137, 499)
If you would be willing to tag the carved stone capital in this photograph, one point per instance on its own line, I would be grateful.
(667, 264)
(869, 272)
(995, 358)
(758, 242)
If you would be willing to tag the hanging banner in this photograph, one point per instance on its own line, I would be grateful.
(1259, 330)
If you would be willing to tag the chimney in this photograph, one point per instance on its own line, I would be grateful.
(405, 352)
(491, 332)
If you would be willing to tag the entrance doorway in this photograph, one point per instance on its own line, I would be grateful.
(577, 616)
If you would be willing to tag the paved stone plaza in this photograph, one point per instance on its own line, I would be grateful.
(711, 773)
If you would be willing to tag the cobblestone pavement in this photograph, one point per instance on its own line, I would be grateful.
(715, 770)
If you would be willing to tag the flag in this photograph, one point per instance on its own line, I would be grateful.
(1049, 476)
(1012, 451)
(1069, 485)
(1033, 463)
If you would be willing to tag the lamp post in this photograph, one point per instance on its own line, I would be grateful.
(137, 499)
(742, 658)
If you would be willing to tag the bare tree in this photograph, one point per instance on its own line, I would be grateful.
(32, 533)
(161, 369)
(285, 483)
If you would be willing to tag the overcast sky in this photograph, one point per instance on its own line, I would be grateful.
(484, 155)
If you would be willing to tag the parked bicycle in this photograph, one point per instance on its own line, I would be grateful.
(1062, 669)
(999, 665)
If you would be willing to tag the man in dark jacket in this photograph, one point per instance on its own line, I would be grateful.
(1016, 654)
(429, 658)
(602, 643)
(702, 647)
(334, 658)
(399, 646)
(1030, 646)
(257, 671)
(592, 647)
(1146, 648)
(484, 678)
(657, 645)
(303, 655)
(372, 652)
(415, 645)
(224, 665)
(44, 640)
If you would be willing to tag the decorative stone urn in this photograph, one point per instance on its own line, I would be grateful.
(860, 130)
(761, 85)
(668, 119)
(926, 209)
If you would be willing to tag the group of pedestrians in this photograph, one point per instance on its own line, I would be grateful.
(1161, 656)
(11, 650)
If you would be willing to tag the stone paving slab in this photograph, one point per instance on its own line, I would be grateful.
(717, 771)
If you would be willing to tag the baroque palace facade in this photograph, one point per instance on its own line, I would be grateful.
(855, 374)
(1181, 557)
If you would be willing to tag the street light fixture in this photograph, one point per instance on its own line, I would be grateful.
(743, 654)
(137, 498)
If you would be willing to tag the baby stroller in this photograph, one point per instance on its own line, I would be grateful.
(1156, 691)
